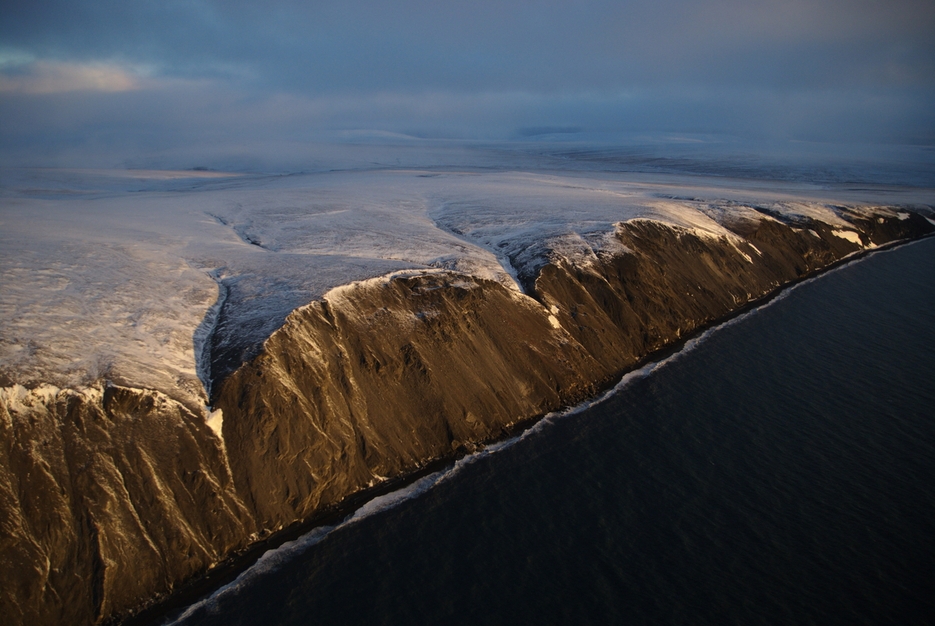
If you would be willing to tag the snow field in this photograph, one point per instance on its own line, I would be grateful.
(111, 276)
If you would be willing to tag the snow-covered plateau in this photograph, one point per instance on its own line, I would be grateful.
(114, 274)
(192, 360)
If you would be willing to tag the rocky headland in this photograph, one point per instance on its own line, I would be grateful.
(114, 497)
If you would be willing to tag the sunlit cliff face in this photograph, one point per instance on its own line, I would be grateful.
(478, 300)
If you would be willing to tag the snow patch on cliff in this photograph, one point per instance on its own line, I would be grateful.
(848, 235)
(216, 421)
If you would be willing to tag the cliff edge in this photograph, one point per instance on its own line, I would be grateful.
(112, 497)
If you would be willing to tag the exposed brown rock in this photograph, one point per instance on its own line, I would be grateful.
(112, 496)
(107, 498)
(386, 378)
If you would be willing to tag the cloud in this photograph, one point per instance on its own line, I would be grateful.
(149, 75)
(50, 77)
(530, 45)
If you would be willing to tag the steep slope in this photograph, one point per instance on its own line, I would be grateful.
(108, 497)
(111, 496)
(383, 376)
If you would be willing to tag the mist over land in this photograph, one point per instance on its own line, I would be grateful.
(104, 84)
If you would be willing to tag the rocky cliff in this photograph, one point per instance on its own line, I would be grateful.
(108, 497)
(111, 496)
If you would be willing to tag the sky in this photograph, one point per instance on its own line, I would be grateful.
(111, 82)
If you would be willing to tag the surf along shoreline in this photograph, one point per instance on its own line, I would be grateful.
(161, 610)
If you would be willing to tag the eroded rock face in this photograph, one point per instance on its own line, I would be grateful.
(672, 282)
(385, 376)
(108, 497)
(112, 496)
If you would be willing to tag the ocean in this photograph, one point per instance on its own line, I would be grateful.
(780, 469)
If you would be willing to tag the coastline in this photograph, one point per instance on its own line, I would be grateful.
(160, 610)
(364, 391)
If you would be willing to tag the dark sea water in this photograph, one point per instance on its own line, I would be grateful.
(779, 471)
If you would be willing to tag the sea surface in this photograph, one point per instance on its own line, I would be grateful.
(778, 470)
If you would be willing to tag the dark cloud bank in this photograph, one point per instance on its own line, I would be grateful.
(226, 83)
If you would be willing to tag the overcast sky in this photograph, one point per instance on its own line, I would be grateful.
(99, 81)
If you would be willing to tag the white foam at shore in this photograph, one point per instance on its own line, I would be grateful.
(273, 559)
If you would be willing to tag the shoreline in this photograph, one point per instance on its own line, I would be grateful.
(161, 609)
